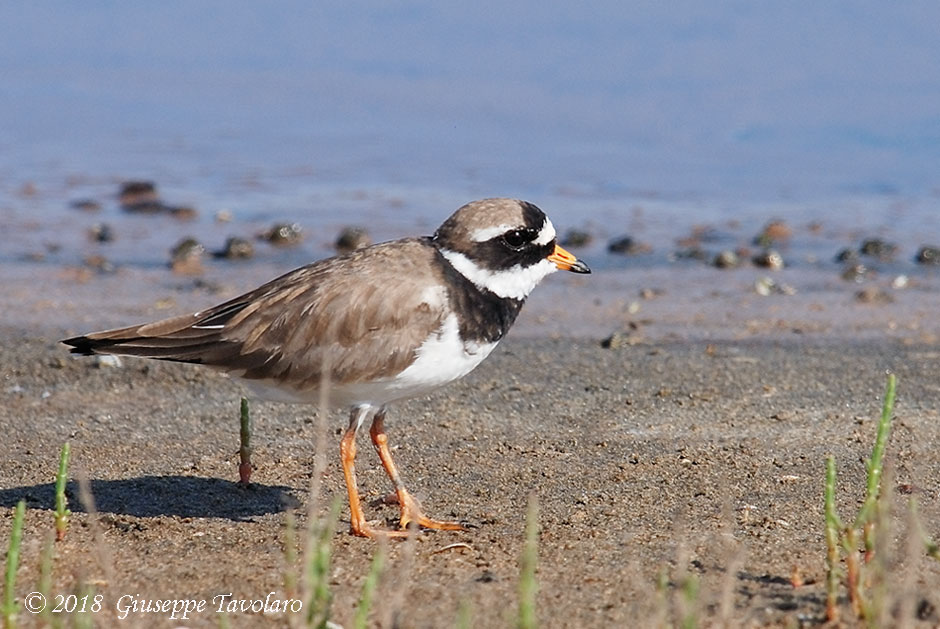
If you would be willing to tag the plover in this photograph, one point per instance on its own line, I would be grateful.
(387, 322)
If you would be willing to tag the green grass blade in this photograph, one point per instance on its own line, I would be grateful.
(833, 530)
(528, 585)
(290, 554)
(690, 592)
(464, 615)
(931, 548)
(361, 621)
(875, 465)
(84, 620)
(318, 569)
(244, 449)
(46, 560)
(62, 512)
(13, 560)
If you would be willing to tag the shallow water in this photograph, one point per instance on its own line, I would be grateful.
(649, 121)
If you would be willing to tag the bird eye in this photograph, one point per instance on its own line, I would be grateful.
(518, 238)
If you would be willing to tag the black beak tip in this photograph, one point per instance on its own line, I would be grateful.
(580, 267)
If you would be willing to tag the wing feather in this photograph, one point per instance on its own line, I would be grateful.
(356, 317)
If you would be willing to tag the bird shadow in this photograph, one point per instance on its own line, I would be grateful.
(153, 496)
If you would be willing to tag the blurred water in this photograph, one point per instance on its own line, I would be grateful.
(642, 117)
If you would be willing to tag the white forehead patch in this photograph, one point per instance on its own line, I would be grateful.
(546, 234)
(488, 233)
(514, 283)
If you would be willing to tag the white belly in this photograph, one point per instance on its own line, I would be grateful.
(443, 358)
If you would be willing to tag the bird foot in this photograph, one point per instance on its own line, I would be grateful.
(411, 517)
(368, 529)
(411, 513)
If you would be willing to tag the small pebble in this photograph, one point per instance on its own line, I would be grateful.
(775, 231)
(928, 255)
(186, 257)
(352, 238)
(576, 238)
(627, 246)
(769, 259)
(857, 273)
(235, 249)
(137, 193)
(108, 360)
(144, 207)
(181, 212)
(617, 340)
(140, 197)
(690, 253)
(727, 259)
(101, 232)
(873, 295)
(99, 264)
(283, 234)
(847, 255)
(223, 216)
(878, 248)
(700, 234)
(85, 205)
(766, 286)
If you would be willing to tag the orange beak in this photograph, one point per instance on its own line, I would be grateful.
(567, 262)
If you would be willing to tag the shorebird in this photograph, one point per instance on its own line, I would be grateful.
(384, 323)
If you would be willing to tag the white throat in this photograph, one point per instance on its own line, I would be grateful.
(514, 283)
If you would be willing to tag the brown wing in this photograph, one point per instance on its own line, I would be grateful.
(359, 316)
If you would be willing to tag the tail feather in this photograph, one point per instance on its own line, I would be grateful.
(176, 339)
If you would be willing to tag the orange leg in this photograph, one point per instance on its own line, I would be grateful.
(410, 509)
(347, 449)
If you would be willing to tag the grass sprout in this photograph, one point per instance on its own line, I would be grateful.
(62, 512)
(361, 621)
(13, 560)
(46, 561)
(317, 573)
(464, 615)
(689, 590)
(244, 449)
(833, 541)
(528, 584)
(864, 533)
(290, 554)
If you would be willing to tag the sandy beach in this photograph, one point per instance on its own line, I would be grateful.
(654, 459)
(671, 417)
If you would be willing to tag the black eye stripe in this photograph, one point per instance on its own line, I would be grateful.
(519, 237)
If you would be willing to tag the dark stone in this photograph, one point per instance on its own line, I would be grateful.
(85, 205)
(774, 231)
(727, 260)
(137, 192)
(186, 257)
(627, 246)
(352, 238)
(928, 255)
(878, 248)
(236, 249)
(576, 238)
(769, 259)
(101, 232)
(283, 234)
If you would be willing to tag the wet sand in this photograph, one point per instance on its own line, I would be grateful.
(699, 456)
(671, 419)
